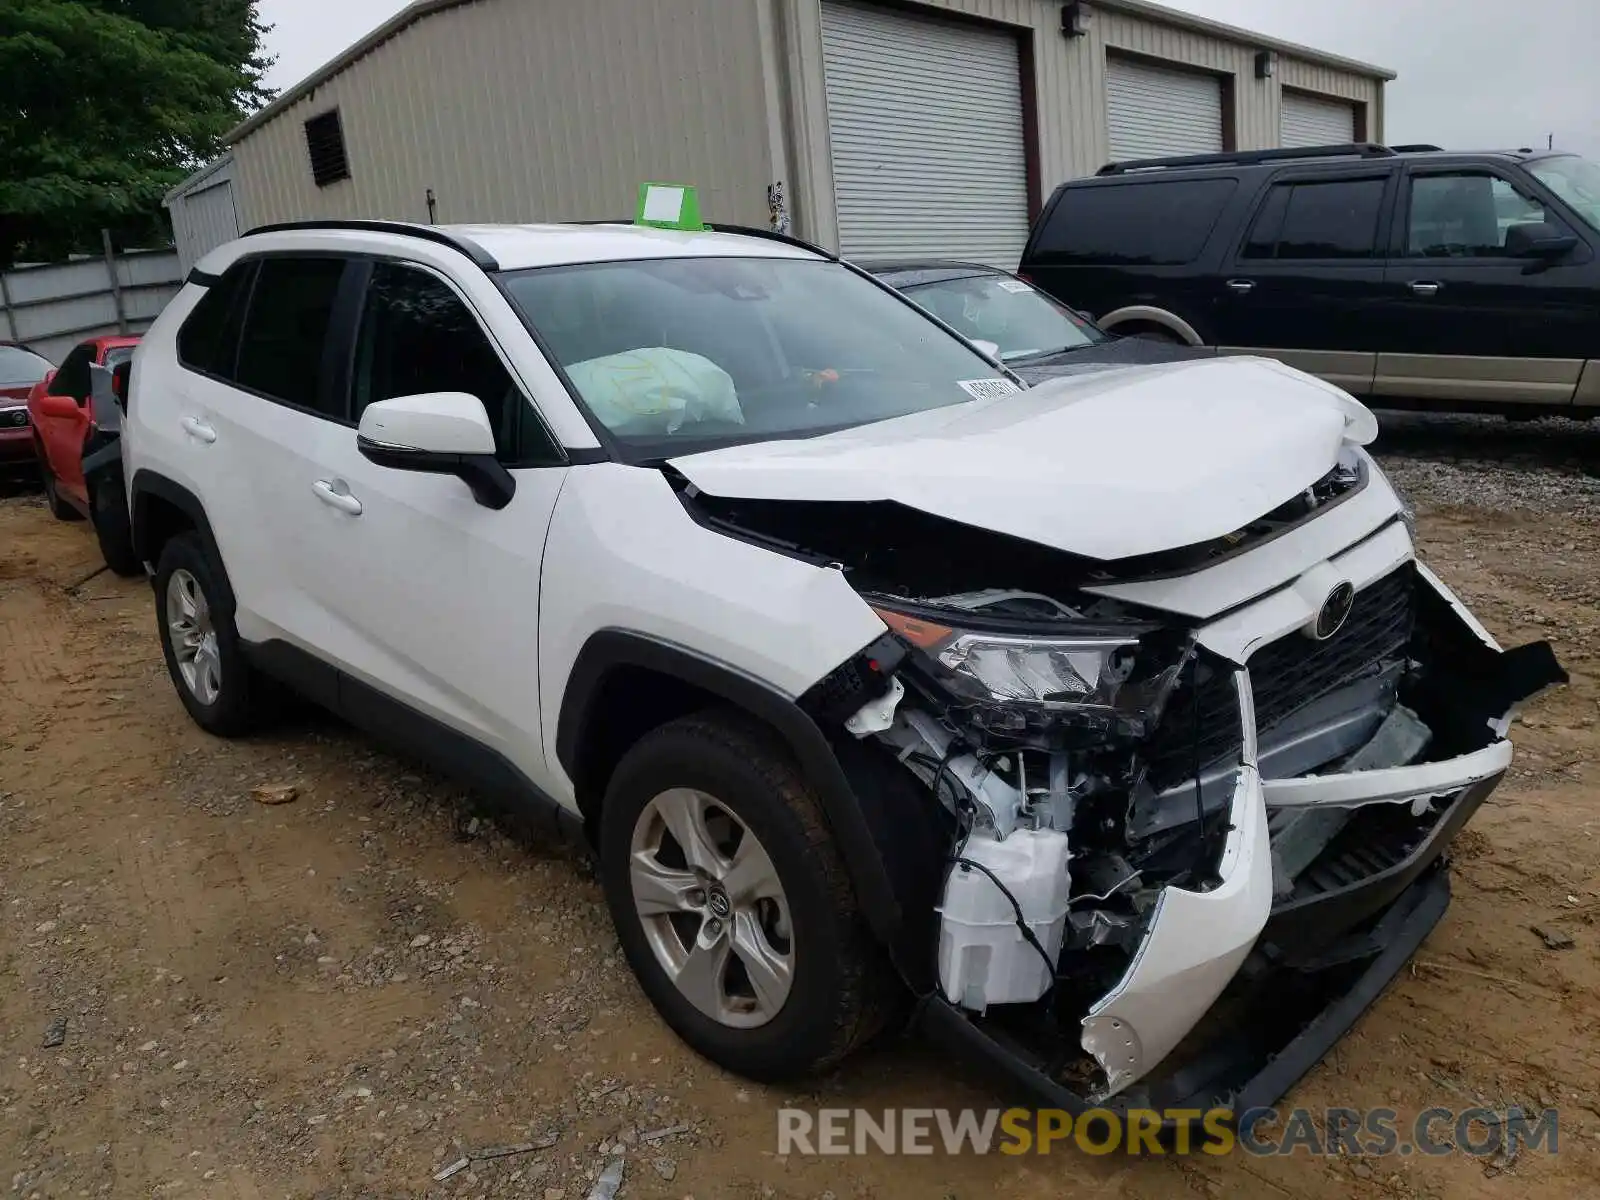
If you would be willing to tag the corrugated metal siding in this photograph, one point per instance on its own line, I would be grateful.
(925, 120)
(1153, 112)
(1317, 121)
(1070, 86)
(204, 219)
(516, 111)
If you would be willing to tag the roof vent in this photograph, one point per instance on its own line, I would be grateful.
(325, 143)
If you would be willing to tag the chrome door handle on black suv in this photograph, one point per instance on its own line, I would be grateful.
(1424, 289)
(1241, 287)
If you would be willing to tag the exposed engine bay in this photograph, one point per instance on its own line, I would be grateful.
(1126, 808)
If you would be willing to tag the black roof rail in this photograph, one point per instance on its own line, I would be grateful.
(754, 231)
(1241, 158)
(1417, 148)
(426, 233)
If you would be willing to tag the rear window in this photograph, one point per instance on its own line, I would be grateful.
(209, 339)
(19, 366)
(1318, 219)
(1163, 223)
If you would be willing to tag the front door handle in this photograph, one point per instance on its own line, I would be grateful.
(336, 494)
(1241, 287)
(199, 430)
(1421, 288)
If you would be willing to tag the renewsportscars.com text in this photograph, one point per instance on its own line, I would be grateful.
(1479, 1132)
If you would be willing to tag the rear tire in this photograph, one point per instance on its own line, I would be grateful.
(205, 658)
(114, 529)
(60, 509)
(818, 985)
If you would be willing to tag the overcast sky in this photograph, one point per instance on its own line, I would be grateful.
(1473, 74)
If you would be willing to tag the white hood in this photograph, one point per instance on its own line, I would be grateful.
(1107, 466)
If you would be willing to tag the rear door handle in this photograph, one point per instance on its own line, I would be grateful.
(1241, 287)
(199, 430)
(1424, 289)
(336, 494)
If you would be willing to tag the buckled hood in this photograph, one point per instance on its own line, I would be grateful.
(1106, 466)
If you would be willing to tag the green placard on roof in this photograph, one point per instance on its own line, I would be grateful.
(669, 206)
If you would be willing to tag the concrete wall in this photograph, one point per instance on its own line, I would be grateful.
(53, 308)
(514, 110)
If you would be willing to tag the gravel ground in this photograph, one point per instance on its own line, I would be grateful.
(345, 994)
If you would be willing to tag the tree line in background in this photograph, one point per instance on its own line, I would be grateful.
(105, 105)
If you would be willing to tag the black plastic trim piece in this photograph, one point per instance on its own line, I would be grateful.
(612, 648)
(1303, 927)
(1415, 914)
(389, 720)
(493, 486)
(428, 233)
(147, 484)
(203, 278)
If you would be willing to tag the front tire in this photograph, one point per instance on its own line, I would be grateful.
(732, 903)
(200, 643)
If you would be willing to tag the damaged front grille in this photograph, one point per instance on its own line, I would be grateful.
(1285, 676)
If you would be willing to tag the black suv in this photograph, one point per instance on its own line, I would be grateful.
(1412, 276)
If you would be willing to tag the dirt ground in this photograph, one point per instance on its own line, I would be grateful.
(337, 996)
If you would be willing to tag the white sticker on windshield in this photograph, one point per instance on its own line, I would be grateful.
(989, 389)
(1014, 285)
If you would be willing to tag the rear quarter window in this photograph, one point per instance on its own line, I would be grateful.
(1164, 223)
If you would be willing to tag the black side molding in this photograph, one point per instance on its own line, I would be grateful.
(610, 649)
(147, 485)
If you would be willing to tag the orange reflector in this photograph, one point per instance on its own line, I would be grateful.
(925, 634)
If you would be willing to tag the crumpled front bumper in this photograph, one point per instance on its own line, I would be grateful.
(1306, 966)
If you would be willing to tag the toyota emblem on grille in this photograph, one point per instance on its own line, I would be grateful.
(1335, 612)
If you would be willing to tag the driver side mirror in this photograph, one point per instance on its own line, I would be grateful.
(1542, 241)
(438, 433)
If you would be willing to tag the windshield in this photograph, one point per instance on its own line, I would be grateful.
(683, 354)
(1576, 180)
(1023, 322)
(21, 366)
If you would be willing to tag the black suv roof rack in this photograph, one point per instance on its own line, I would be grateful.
(427, 233)
(1242, 158)
(1417, 148)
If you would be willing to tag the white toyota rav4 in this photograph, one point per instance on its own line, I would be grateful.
(1111, 720)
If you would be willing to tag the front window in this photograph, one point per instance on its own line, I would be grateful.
(1576, 180)
(683, 354)
(19, 366)
(1005, 312)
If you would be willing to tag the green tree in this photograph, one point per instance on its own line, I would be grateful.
(106, 104)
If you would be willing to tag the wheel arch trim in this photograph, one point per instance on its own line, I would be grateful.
(1157, 316)
(610, 649)
(148, 485)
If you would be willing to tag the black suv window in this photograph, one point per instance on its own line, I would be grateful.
(286, 332)
(1466, 215)
(209, 339)
(1318, 219)
(1160, 224)
(73, 377)
(418, 336)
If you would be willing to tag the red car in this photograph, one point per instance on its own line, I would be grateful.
(20, 370)
(61, 415)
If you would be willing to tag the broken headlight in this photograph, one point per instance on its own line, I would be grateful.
(1105, 680)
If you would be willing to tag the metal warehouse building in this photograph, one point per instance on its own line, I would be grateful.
(882, 129)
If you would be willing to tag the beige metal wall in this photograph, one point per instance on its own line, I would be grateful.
(1069, 80)
(521, 110)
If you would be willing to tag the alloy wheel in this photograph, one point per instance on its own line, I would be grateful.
(194, 637)
(712, 907)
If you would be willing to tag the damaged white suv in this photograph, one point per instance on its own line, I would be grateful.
(1112, 719)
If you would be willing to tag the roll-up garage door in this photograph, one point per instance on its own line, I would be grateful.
(1154, 112)
(925, 120)
(1315, 121)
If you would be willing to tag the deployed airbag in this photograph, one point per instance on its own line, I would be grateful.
(656, 389)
